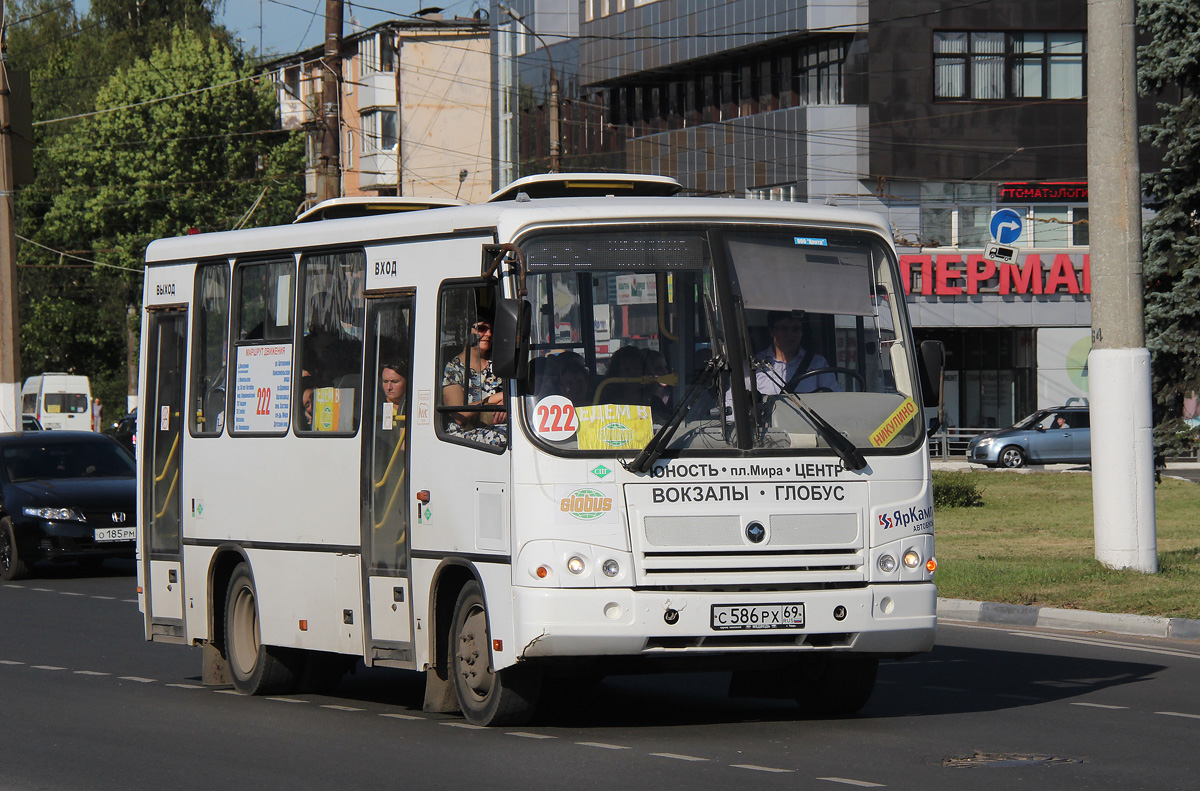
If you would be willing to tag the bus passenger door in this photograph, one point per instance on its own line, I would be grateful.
(161, 446)
(385, 522)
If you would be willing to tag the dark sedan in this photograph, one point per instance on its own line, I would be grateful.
(64, 495)
(125, 431)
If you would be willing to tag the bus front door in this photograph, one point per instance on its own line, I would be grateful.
(385, 480)
(161, 446)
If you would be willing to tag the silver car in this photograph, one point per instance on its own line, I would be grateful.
(1060, 434)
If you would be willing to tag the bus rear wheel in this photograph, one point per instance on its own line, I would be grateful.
(835, 686)
(486, 696)
(256, 669)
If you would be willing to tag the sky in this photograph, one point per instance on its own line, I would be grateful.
(292, 25)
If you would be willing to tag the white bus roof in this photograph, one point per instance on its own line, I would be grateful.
(341, 208)
(562, 185)
(506, 219)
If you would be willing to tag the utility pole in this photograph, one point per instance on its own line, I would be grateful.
(552, 100)
(329, 168)
(1119, 365)
(10, 349)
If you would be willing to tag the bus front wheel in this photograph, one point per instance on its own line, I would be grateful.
(256, 669)
(835, 686)
(486, 696)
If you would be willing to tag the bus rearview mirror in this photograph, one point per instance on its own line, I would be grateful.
(510, 352)
(932, 362)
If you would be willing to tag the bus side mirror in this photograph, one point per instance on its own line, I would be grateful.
(933, 361)
(510, 351)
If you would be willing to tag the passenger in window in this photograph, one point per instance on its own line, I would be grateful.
(657, 392)
(307, 387)
(623, 379)
(574, 382)
(789, 359)
(467, 380)
(395, 386)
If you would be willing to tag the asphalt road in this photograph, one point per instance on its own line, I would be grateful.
(85, 703)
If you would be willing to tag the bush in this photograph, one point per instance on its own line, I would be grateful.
(955, 490)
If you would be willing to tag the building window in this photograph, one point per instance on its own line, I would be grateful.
(995, 65)
(379, 131)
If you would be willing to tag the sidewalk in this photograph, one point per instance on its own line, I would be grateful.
(1072, 620)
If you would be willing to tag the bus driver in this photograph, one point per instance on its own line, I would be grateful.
(790, 360)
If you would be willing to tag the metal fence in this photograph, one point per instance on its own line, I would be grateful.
(948, 442)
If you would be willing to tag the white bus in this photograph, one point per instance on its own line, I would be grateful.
(538, 438)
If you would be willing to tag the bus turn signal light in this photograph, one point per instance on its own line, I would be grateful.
(931, 565)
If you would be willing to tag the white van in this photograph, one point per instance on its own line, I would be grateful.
(58, 401)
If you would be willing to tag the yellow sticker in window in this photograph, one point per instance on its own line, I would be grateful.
(614, 427)
(895, 421)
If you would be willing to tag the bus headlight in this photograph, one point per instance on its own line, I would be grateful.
(611, 568)
(912, 558)
(887, 564)
(575, 565)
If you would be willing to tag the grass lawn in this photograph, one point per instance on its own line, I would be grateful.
(1032, 542)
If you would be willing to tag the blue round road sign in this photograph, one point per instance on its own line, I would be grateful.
(1006, 226)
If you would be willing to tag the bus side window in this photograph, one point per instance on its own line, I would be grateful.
(472, 401)
(210, 349)
(330, 353)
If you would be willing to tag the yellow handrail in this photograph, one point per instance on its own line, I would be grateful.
(167, 499)
(171, 455)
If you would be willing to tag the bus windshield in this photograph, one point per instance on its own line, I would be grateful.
(747, 336)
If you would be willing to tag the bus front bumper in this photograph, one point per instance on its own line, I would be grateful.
(883, 620)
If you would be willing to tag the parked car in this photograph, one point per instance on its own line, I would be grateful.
(64, 495)
(1060, 434)
(30, 423)
(125, 431)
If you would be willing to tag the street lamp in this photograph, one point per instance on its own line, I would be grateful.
(553, 101)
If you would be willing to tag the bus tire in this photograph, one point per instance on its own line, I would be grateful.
(486, 697)
(254, 668)
(835, 686)
(11, 565)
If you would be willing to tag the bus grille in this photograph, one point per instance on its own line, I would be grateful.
(798, 550)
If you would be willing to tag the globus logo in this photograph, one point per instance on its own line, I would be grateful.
(586, 504)
(616, 434)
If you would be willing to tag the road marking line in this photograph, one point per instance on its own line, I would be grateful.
(287, 700)
(678, 757)
(130, 601)
(849, 782)
(1099, 706)
(466, 726)
(72, 593)
(1178, 714)
(757, 768)
(138, 679)
(44, 590)
(105, 598)
(227, 692)
(602, 745)
(401, 716)
(46, 667)
(527, 735)
(338, 708)
(10, 585)
(10, 662)
(186, 686)
(1107, 644)
(91, 673)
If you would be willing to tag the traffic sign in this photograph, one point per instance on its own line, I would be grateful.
(1006, 226)
(999, 253)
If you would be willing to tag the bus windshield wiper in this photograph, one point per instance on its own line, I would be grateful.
(843, 447)
(658, 442)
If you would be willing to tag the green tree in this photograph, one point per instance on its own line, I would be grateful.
(185, 138)
(1168, 63)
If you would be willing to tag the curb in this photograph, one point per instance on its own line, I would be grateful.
(1073, 620)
